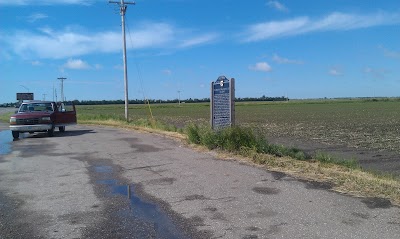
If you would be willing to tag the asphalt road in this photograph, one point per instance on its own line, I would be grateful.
(98, 182)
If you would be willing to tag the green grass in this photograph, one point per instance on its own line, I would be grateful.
(245, 141)
(230, 139)
(353, 123)
(167, 113)
(329, 159)
(5, 117)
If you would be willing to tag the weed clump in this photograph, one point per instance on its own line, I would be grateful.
(329, 159)
(246, 142)
(193, 134)
(232, 139)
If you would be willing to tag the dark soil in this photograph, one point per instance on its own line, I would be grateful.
(385, 162)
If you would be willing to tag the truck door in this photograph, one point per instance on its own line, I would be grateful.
(66, 113)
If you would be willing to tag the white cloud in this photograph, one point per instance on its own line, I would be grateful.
(151, 35)
(46, 30)
(118, 67)
(334, 71)
(282, 60)
(375, 73)
(199, 40)
(334, 22)
(46, 2)
(261, 66)
(75, 41)
(36, 63)
(390, 53)
(278, 6)
(57, 45)
(36, 16)
(275, 29)
(167, 72)
(76, 64)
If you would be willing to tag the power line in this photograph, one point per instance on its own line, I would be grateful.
(25, 87)
(145, 99)
(123, 6)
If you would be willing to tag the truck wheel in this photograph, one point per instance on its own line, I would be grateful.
(61, 128)
(15, 134)
(50, 132)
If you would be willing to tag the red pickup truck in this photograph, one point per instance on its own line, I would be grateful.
(42, 116)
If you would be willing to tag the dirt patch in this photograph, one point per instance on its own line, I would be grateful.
(377, 203)
(266, 190)
(372, 160)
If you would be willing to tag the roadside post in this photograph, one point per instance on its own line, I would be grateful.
(222, 103)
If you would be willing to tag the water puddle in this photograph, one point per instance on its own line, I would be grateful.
(107, 182)
(103, 169)
(148, 213)
(5, 142)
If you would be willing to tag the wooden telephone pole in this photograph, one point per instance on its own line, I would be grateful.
(123, 6)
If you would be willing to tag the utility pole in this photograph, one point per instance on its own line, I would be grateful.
(62, 87)
(179, 97)
(123, 6)
(44, 97)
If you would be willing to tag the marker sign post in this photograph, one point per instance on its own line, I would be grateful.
(222, 103)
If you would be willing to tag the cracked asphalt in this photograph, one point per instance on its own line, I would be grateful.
(99, 182)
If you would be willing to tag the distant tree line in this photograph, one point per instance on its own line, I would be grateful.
(262, 98)
(206, 100)
(190, 100)
(154, 101)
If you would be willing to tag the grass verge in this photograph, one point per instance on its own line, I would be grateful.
(5, 117)
(345, 175)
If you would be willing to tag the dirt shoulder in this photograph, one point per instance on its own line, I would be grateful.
(374, 160)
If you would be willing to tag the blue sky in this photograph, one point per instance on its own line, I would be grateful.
(294, 48)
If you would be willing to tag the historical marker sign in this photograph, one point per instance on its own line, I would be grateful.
(24, 96)
(222, 103)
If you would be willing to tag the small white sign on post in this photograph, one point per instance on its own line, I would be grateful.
(222, 103)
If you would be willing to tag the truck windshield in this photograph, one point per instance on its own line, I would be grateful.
(29, 107)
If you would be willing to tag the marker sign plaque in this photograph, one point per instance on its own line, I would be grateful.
(222, 103)
(24, 96)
